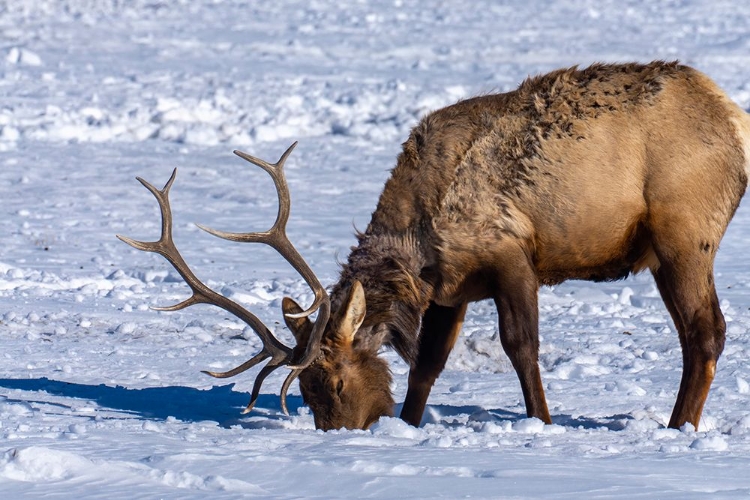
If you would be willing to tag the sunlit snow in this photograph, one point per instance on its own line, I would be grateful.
(102, 397)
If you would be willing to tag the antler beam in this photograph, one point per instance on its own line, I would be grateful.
(277, 239)
(279, 354)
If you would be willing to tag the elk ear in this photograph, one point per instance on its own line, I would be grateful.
(354, 313)
(300, 327)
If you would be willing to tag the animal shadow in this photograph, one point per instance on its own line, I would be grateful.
(448, 415)
(220, 404)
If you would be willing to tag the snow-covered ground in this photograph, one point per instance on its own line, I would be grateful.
(101, 397)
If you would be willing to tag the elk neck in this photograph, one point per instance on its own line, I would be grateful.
(388, 267)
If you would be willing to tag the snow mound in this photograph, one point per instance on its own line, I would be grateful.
(38, 463)
(395, 427)
(710, 443)
(529, 426)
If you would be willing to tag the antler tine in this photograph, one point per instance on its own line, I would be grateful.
(166, 221)
(277, 238)
(264, 372)
(285, 387)
(279, 353)
(239, 369)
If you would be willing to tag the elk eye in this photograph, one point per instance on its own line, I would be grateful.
(339, 387)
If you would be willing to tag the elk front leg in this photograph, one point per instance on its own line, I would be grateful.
(440, 328)
(517, 306)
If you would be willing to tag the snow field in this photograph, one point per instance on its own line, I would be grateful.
(101, 397)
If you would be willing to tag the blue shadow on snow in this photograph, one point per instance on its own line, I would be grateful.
(223, 405)
(447, 415)
(220, 404)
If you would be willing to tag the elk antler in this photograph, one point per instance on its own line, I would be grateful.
(280, 354)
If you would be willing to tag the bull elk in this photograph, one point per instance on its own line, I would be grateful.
(578, 174)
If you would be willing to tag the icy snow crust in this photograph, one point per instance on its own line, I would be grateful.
(101, 397)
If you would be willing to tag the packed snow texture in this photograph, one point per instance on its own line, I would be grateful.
(101, 397)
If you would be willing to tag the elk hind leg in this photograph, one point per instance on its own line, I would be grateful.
(688, 290)
(440, 328)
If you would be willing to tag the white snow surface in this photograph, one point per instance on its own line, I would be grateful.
(101, 397)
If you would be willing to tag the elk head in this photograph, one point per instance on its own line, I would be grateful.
(348, 385)
(344, 384)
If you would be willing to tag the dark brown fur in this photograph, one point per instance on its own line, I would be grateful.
(578, 174)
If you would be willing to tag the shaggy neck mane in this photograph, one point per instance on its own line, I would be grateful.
(388, 268)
